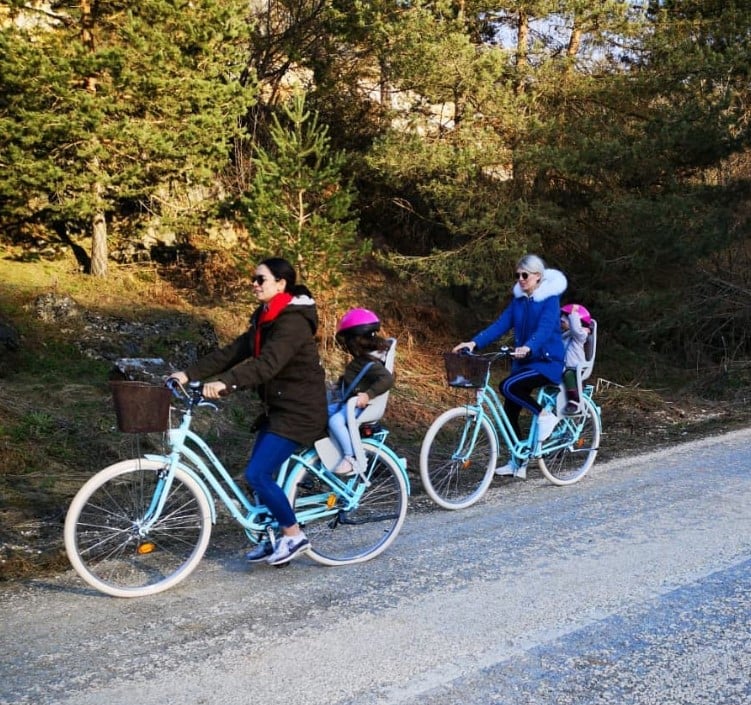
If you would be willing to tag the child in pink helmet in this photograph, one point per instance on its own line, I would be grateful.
(356, 333)
(575, 323)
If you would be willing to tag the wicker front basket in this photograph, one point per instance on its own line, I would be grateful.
(465, 370)
(141, 407)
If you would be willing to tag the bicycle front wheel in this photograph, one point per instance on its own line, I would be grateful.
(344, 535)
(113, 545)
(574, 445)
(457, 458)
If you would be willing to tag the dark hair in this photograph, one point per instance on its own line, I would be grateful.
(282, 269)
(359, 345)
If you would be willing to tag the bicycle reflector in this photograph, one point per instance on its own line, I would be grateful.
(146, 547)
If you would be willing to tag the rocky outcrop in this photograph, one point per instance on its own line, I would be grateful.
(176, 339)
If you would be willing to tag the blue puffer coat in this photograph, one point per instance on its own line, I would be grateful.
(536, 321)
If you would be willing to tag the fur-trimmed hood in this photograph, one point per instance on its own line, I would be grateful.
(553, 283)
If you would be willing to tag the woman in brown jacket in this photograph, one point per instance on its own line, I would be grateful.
(278, 356)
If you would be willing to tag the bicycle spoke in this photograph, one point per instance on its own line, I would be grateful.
(573, 447)
(458, 458)
(342, 530)
(108, 547)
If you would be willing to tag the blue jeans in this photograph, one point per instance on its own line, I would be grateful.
(339, 430)
(267, 456)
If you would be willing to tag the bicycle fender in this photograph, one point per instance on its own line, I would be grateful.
(193, 474)
(400, 462)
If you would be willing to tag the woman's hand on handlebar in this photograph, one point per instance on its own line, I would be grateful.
(469, 347)
(215, 390)
(180, 377)
(210, 390)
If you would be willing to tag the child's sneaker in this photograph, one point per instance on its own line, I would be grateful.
(346, 466)
(287, 548)
(571, 409)
(546, 422)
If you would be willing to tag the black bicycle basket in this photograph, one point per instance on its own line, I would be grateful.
(465, 370)
(141, 407)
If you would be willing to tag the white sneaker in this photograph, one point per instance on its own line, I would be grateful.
(506, 470)
(289, 547)
(546, 422)
(346, 466)
(512, 469)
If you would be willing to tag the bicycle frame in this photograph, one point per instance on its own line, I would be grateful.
(193, 455)
(459, 452)
(569, 427)
(488, 405)
(143, 524)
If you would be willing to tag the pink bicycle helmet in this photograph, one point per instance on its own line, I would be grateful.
(586, 317)
(357, 321)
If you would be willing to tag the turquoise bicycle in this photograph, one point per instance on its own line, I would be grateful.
(142, 525)
(460, 450)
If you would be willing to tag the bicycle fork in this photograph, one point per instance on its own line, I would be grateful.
(165, 477)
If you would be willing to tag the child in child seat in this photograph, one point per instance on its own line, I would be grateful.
(575, 323)
(356, 333)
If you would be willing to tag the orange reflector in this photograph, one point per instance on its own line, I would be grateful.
(146, 547)
(331, 501)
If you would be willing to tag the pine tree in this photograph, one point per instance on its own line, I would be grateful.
(300, 204)
(111, 103)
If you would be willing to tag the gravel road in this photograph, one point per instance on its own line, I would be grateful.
(631, 587)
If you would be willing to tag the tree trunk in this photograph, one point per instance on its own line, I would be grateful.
(98, 222)
(99, 245)
(522, 44)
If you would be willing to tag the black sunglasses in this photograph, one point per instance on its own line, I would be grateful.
(259, 279)
(521, 275)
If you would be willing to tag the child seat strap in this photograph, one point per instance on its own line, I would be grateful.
(353, 384)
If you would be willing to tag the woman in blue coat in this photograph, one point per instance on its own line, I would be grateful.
(534, 315)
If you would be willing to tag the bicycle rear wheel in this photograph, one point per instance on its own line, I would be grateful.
(106, 544)
(455, 467)
(574, 445)
(343, 536)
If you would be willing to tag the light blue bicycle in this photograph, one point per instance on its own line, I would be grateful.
(141, 526)
(461, 448)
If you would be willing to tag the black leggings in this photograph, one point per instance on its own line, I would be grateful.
(517, 389)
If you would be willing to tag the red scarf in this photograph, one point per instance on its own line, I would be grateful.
(268, 313)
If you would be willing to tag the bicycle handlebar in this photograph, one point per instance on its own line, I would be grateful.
(503, 352)
(193, 395)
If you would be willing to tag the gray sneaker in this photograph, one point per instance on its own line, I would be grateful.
(512, 469)
(506, 470)
(260, 553)
(287, 548)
